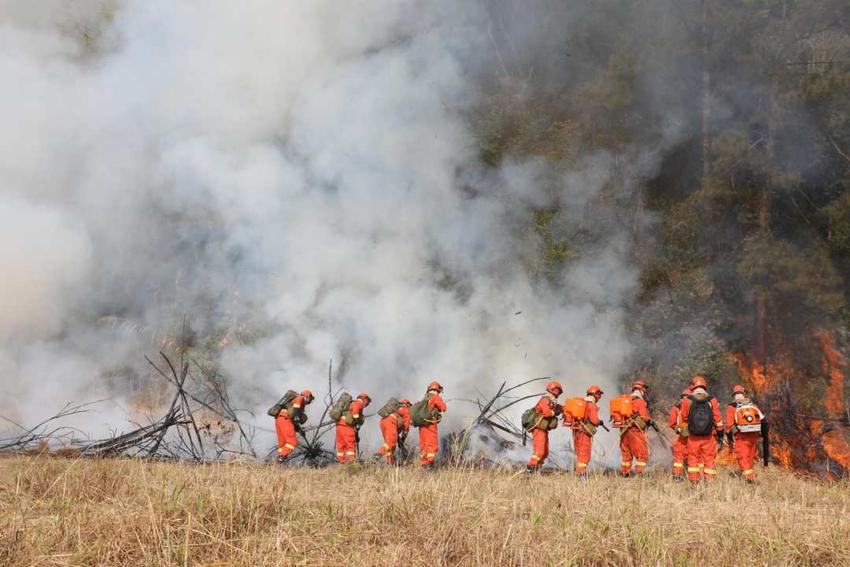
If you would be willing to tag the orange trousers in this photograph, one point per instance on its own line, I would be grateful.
(540, 448)
(702, 451)
(389, 429)
(346, 443)
(286, 439)
(680, 455)
(429, 444)
(633, 445)
(746, 449)
(583, 444)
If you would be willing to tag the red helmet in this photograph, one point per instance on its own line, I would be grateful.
(691, 381)
(640, 385)
(554, 385)
(594, 390)
(686, 392)
(435, 386)
(698, 382)
(738, 389)
(404, 402)
(364, 396)
(308, 394)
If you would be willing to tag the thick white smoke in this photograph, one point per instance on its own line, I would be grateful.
(302, 169)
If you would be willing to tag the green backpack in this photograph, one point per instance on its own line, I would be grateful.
(282, 403)
(340, 406)
(389, 408)
(419, 414)
(529, 419)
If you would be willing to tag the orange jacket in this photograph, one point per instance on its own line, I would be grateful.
(685, 411)
(673, 419)
(356, 410)
(435, 402)
(296, 405)
(546, 406)
(404, 413)
(591, 413)
(639, 407)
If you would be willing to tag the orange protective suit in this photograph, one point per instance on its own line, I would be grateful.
(429, 436)
(346, 433)
(633, 442)
(582, 439)
(680, 445)
(702, 449)
(746, 445)
(546, 407)
(389, 429)
(285, 427)
(404, 412)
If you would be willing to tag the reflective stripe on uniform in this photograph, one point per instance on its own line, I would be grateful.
(355, 415)
(626, 463)
(678, 465)
(350, 453)
(709, 471)
(640, 464)
(429, 455)
(387, 447)
(693, 469)
(535, 458)
(289, 445)
(748, 471)
(581, 465)
(340, 454)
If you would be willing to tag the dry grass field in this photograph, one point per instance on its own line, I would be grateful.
(57, 511)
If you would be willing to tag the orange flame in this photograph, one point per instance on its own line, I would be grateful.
(833, 363)
(835, 445)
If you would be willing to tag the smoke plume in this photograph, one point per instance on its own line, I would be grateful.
(301, 180)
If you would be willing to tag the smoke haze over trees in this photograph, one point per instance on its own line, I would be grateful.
(471, 191)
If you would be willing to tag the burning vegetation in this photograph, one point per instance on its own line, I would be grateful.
(807, 409)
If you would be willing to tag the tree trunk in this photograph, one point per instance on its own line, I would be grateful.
(764, 206)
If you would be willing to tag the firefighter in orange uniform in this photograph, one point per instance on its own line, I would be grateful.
(288, 422)
(700, 421)
(633, 442)
(546, 410)
(680, 445)
(348, 429)
(429, 436)
(584, 430)
(393, 429)
(744, 423)
(404, 412)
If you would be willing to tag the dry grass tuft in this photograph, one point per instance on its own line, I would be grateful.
(124, 512)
